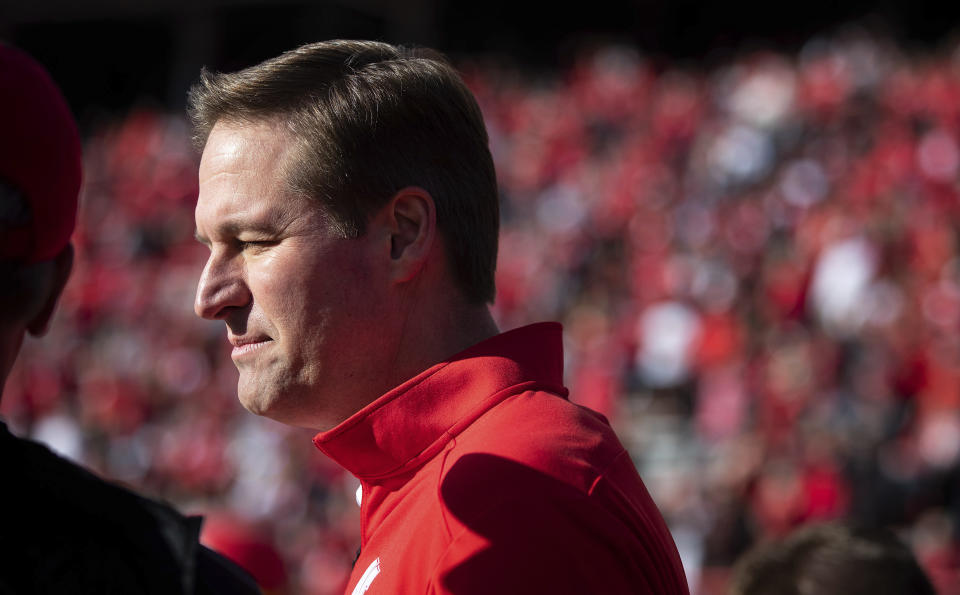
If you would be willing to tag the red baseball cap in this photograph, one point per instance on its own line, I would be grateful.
(40, 162)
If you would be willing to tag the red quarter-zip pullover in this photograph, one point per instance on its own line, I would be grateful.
(480, 477)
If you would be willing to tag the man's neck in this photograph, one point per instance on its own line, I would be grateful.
(431, 340)
(473, 327)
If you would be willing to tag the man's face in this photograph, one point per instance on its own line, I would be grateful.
(302, 305)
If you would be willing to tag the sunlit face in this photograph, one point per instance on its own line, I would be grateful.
(302, 306)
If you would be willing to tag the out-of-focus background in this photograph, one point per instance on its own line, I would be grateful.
(747, 218)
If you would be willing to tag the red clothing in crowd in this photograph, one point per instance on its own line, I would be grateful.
(479, 476)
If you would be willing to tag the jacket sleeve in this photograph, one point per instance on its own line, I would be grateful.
(560, 545)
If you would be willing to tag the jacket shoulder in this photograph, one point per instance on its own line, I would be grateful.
(535, 533)
(71, 531)
(545, 432)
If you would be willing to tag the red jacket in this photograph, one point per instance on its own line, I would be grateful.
(479, 476)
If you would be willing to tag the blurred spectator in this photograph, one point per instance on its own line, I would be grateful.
(832, 560)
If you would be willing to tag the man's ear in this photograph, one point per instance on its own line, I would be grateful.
(62, 265)
(412, 218)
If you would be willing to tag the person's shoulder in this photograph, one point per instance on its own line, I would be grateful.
(548, 433)
(532, 449)
(67, 529)
(517, 529)
(42, 480)
(216, 574)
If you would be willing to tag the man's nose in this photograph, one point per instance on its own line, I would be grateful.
(222, 287)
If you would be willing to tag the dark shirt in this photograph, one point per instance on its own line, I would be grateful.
(65, 530)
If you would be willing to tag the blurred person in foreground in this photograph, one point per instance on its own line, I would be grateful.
(349, 202)
(832, 559)
(64, 530)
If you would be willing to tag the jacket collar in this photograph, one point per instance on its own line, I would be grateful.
(408, 425)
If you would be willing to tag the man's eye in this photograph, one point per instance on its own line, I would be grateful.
(255, 244)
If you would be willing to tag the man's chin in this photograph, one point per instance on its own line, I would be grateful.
(275, 407)
(255, 405)
(292, 407)
(256, 400)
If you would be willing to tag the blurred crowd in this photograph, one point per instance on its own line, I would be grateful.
(757, 265)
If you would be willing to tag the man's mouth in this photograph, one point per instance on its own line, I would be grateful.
(243, 346)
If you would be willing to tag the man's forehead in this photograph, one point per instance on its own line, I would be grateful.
(243, 145)
(241, 173)
(233, 209)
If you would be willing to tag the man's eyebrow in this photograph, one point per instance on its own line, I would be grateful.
(233, 229)
(200, 238)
